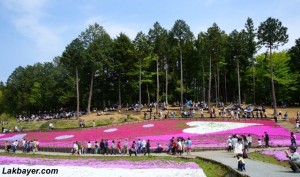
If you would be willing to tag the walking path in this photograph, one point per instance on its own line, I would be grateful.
(253, 168)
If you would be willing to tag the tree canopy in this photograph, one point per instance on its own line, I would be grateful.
(97, 71)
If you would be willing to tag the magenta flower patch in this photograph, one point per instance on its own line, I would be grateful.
(162, 131)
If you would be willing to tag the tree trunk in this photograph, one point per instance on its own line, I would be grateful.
(225, 87)
(148, 95)
(140, 87)
(239, 86)
(167, 84)
(90, 94)
(181, 76)
(157, 80)
(203, 82)
(120, 99)
(272, 83)
(216, 88)
(253, 77)
(77, 93)
(218, 82)
(209, 82)
(103, 89)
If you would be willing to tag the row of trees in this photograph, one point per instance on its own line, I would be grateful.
(96, 71)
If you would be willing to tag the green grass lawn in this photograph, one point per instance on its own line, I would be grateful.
(209, 168)
(268, 159)
(72, 123)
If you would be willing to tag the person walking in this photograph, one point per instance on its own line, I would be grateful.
(144, 143)
(102, 147)
(293, 139)
(132, 149)
(188, 147)
(267, 139)
(113, 148)
(249, 140)
(89, 147)
(125, 146)
(147, 148)
(238, 149)
(229, 144)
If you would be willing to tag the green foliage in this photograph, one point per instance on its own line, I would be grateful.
(109, 69)
(36, 95)
(283, 77)
(271, 33)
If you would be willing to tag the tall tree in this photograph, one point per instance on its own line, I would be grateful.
(142, 49)
(123, 52)
(182, 34)
(214, 38)
(158, 38)
(95, 41)
(72, 57)
(251, 49)
(272, 34)
(237, 42)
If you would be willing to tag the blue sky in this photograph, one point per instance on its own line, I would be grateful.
(38, 30)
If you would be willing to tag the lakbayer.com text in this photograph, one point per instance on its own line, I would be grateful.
(16, 171)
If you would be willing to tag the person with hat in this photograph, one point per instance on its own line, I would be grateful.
(294, 158)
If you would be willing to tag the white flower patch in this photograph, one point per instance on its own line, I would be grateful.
(64, 137)
(212, 127)
(14, 138)
(75, 171)
(148, 125)
(110, 130)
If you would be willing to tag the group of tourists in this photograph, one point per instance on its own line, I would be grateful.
(106, 147)
(27, 146)
(179, 146)
(240, 145)
(114, 147)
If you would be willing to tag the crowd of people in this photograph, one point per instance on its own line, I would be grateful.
(47, 116)
(106, 147)
(26, 145)
(179, 146)
(240, 145)
(113, 147)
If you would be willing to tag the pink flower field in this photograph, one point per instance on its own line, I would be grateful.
(204, 134)
(92, 167)
(278, 154)
(96, 163)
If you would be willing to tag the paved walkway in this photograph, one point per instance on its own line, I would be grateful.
(253, 168)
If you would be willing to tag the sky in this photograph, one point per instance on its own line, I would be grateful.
(34, 31)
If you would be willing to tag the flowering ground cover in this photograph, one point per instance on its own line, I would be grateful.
(204, 134)
(90, 167)
(278, 154)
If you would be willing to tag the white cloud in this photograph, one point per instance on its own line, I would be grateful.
(27, 16)
(115, 28)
